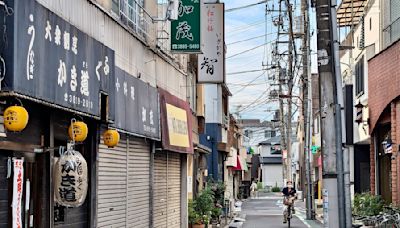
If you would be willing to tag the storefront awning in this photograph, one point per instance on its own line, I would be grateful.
(241, 165)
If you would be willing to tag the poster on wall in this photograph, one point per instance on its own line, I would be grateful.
(211, 62)
(18, 186)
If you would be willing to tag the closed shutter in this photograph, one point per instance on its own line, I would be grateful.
(160, 190)
(112, 184)
(174, 191)
(138, 183)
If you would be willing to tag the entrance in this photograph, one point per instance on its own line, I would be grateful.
(385, 164)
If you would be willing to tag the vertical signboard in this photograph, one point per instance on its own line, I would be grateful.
(211, 62)
(17, 193)
(185, 32)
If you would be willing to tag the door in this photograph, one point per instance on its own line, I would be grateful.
(167, 190)
(385, 164)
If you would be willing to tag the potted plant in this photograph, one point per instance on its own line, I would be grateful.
(200, 209)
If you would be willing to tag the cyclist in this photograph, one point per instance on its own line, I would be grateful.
(289, 193)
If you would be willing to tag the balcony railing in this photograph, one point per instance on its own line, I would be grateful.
(136, 18)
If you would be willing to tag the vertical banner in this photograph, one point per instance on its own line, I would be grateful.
(17, 193)
(211, 63)
(185, 32)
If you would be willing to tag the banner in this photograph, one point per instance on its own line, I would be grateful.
(211, 62)
(18, 185)
(185, 32)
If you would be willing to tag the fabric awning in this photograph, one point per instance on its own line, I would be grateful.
(241, 165)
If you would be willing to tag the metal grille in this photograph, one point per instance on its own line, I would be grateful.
(135, 17)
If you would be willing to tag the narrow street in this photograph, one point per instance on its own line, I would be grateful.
(266, 211)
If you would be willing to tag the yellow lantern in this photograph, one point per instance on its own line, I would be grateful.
(15, 118)
(111, 138)
(78, 131)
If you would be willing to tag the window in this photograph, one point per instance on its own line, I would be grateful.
(391, 21)
(267, 134)
(273, 133)
(370, 23)
(359, 73)
(132, 14)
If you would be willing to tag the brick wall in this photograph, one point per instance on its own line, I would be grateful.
(383, 81)
(372, 165)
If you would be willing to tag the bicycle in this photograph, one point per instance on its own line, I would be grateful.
(288, 201)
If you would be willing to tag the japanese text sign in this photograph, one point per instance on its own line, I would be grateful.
(71, 179)
(211, 62)
(185, 32)
(136, 105)
(56, 62)
(176, 123)
(18, 183)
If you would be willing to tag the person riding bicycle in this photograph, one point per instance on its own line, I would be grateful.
(289, 193)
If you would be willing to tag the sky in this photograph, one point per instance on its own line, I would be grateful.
(250, 90)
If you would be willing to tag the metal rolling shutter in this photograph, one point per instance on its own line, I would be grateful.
(112, 184)
(160, 190)
(138, 183)
(174, 190)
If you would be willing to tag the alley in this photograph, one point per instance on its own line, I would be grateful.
(266, 211)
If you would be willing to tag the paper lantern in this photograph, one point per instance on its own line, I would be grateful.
(70, 179)
(78, 131)
(111, 138)
(15, 118)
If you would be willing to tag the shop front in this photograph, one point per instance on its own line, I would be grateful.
(48, 168)
(125, 170)
(170, 162)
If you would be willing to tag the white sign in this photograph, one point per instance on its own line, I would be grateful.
(189, 184)
(18, 185)
(211, 62)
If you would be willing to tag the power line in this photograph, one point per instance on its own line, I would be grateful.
(252, 38)
(244, 72)
(245, 51)
(245, 6)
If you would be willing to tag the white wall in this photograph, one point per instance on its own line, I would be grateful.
(213, 103)
(272, 174)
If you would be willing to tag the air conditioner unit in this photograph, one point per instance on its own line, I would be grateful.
(172, 11)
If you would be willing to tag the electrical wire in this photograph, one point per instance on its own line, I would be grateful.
(248, 39)
(245, 6)
(248, 50)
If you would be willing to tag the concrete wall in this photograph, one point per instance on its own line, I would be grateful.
(213, 103)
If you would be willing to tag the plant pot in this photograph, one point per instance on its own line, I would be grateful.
(198, 226)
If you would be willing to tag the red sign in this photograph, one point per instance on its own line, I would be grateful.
(17, 193)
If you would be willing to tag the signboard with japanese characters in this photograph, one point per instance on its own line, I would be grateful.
(136, 105)
(18, 186)
(176, 123)
(211, 62)
(57, 63)
(185, 32)
(70, 179)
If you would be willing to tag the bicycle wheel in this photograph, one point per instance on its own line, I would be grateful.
(289, 215)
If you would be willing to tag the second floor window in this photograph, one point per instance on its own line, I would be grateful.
(359, 74)
(131, 14)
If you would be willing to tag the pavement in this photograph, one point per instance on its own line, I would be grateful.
(267, 211)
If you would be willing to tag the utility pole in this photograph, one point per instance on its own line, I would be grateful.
(331, 124)
(290, 89)
(307, 111)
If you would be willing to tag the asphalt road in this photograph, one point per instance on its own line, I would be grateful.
(267, 211)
